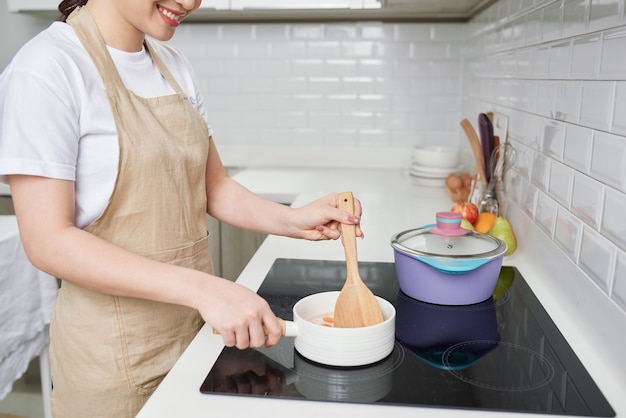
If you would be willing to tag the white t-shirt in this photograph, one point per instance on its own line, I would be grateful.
(55, 117)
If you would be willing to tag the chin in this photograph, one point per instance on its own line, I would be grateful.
(162, 36)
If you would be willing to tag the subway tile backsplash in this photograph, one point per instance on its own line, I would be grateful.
(313, 84)
(556, 68)
(567, 123)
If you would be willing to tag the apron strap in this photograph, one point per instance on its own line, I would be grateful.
(163, 68)
(82, 22)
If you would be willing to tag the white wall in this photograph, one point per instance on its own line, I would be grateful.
(557, 69)
(368, 87)
(15, 30)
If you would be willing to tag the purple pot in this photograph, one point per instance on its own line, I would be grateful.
(445, 265)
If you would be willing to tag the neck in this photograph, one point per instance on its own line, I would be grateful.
(116, 31)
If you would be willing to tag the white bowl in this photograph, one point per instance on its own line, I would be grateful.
(341, 346)
(436, 156)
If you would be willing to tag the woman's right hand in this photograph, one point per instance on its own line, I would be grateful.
(242, 318)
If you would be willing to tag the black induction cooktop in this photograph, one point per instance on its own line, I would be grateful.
(503, 354)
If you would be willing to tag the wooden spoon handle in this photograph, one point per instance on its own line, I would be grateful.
(348, 237)
(476, 148)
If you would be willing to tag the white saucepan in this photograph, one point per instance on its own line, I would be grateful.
(339, 346)
(345, 347)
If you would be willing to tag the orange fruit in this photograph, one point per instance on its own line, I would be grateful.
(485, 222)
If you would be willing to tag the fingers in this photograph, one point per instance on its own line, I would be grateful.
(255, 334)
(273, 331)
(353, 218)
(356, 218)
(335, 233)
(358, 209)
(332, 229)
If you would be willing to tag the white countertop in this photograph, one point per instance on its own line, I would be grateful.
(391, 204)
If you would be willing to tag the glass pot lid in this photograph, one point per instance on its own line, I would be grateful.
(447, 239)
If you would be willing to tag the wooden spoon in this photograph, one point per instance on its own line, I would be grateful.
(476, 148)
(356, 305)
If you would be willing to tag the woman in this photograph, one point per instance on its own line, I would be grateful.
(112, 169)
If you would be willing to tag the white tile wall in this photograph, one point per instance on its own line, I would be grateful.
(311, 84)
(619, 288)
(567, 232)
(612, 65)
(587, 199)
(567, 121)
(597, 258)
(608, 159)
(612, 224)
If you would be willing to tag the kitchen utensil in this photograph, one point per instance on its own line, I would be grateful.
(500, 133)
(485, 129)
(334, 346)
(446, 264)
(356, 305)
(503, 155)
(489, 202)
(500, 127)
(341, 346)
(476, 149)
(288, 328)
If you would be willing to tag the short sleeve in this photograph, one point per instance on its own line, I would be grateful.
(39, 122)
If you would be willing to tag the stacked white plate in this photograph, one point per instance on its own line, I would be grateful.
(431, 165)
(430, 176)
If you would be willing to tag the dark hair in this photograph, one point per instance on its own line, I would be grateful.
(66, 7)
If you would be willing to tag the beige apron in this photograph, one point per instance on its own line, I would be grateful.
(109, 353)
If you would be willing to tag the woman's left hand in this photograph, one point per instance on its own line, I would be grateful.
(322, 219)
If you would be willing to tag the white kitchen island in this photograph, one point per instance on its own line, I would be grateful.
(391, 204)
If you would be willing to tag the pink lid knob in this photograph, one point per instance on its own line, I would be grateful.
(448, 224)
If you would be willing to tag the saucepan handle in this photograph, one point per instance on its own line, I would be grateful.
(290, 328)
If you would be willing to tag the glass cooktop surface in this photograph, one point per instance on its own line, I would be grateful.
(503, 354)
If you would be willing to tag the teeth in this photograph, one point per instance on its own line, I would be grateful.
(168, 14)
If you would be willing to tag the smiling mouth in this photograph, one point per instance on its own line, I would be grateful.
(169, 14)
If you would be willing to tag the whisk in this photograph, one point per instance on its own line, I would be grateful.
(503, 156)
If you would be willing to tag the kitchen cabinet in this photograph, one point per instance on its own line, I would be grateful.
(213, 227)
(390, 10)
(245, 10)
(231, 247)
(237, 248)
(32, 5)
(6, 206)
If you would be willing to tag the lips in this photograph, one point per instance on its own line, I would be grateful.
(170, 16)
